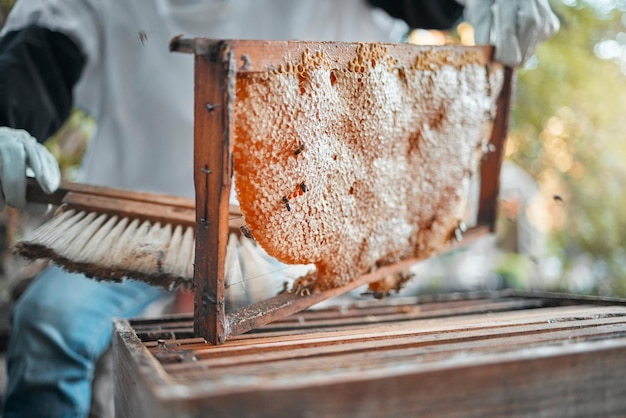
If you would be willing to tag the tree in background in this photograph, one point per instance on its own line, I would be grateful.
(567, 131)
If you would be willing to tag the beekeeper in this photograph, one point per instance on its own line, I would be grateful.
(110, 58)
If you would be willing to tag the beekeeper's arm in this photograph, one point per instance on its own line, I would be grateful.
(44, 47)
(513, 27)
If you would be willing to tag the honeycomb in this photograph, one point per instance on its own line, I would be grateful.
(356, 167)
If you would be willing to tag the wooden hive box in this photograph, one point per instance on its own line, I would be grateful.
(504, 354)
(472, 355)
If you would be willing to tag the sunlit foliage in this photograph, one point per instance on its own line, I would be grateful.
(568, 131)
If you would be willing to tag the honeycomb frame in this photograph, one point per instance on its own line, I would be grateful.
(218, 63)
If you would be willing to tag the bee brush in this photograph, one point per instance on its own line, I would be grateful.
(112, 234)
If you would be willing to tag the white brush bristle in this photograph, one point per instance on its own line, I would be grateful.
(109, 247)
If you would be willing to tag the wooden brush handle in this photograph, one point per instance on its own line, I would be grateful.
(146, 206)
(34, 193)
(149, 206)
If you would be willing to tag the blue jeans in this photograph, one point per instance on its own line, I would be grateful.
(61, 325)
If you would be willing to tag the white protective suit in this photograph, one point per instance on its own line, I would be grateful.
(141, 95)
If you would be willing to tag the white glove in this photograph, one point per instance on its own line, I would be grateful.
(513, 27)
(19, 151)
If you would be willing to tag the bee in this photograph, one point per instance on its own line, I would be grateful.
(300, 148)
(285, 288)
(304, 187)
(286, 202)
(557, 198)
(300, 290)
(143, 37)
(303, 286)
(245, 231)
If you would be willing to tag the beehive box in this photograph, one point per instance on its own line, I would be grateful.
(505, 354)
(465, 355)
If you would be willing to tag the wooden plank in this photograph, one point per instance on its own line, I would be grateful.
(253, 56)
(322, 353)
(364, 356)
(576, 381)
(540, 318)
(34, 193)
(367, 312)
(560, 299)
(440, 304)
(437, 327)
(214, 94)
(181, 328)
(563, 360)
(154, 207)
(301, 322)
(492, 162)
(136, 369)
(146, 211)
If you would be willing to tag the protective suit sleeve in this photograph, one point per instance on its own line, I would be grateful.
(45, 47)
(423, 14)
(514, 27)
(38, 70)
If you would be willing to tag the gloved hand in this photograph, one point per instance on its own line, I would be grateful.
(18, 152)
(513, 27)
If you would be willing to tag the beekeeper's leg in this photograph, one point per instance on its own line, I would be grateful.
(60, 327)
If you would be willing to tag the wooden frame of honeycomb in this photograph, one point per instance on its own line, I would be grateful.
(218, 64)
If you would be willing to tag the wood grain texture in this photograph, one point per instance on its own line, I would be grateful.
(492, 163)
(34, 193)
(111, 234)
(253, 56)
(508, 354)
(214, 94)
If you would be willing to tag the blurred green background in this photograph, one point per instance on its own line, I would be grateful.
(567, 132)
